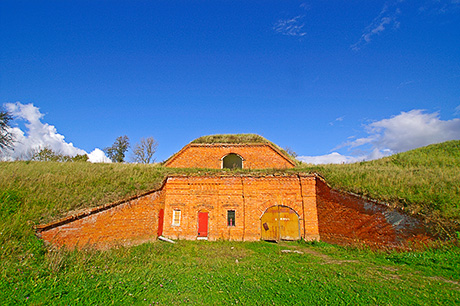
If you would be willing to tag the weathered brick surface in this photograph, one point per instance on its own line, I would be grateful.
(133, 222)
(248, 196)
(348, 219)
(255, 156)
(324, 213)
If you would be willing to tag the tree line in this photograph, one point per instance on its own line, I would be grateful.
(143, 151)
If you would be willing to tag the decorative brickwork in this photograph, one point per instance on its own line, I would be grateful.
(255, 156)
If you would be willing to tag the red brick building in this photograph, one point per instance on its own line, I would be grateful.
(235, 207)
(230, 155)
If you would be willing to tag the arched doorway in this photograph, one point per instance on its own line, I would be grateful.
(280, 223)
(232, 161)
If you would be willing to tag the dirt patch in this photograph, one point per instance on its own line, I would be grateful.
(326, 258)
(444, 280)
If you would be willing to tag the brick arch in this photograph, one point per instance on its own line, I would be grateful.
(231, 154)
(280, 222)
(298, 215)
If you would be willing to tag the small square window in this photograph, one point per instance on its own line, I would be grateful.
(176, 218)
(230, 218)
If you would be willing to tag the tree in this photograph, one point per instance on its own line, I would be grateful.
(290, 152)
(117, 151)
(144, 150)
(6, 138)
(47, 154)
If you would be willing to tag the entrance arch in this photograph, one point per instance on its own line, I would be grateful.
(232, 161)
(280, 223)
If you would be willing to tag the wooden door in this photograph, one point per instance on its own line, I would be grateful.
(270, 226)
(161, 215)
(280, 223)
(289, 224)
(202, 224)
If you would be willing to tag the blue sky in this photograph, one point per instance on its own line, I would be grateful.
(356, 79)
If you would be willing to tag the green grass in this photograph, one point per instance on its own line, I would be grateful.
(231, 138)
(423, 181)
(226, 273)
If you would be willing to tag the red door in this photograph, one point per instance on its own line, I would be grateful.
(202, 224)
(161, 215)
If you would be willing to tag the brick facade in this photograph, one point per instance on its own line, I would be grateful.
(248, 196)
(255, 156)
(322, 213)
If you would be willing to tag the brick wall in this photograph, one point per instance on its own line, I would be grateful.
(333, 216)
(136, 220)
(248, 196)
(345, 219)
(255, 156)
(131, 222)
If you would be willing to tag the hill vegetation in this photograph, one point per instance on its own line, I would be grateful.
(231, 138)
(423, 181)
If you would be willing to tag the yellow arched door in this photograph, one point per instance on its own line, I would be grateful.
(280, 223)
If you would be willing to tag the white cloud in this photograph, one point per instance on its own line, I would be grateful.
(290, 27)
(406, 131)
(404, 84)
(333, 158)
(386, 18)
(440, 6)
(457, 109)
(339, 119)
(98, 156)
(37, 135)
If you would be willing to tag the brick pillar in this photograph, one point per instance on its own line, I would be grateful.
(310, 213)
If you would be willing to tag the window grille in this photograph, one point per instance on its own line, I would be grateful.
(176, 217)
(230, 218)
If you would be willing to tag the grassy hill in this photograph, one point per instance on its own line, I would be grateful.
(423, 181)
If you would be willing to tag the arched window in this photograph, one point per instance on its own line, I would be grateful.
(232, 161)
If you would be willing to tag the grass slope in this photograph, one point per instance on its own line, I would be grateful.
(424, 181)
(421, 181)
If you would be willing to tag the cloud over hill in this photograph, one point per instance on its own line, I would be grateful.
(406, 131)
(37, 135)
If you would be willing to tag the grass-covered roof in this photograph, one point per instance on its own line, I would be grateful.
(231, 138)
(239, 139)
